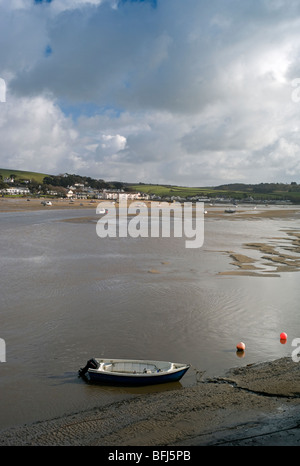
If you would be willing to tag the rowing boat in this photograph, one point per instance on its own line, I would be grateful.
(132, 372)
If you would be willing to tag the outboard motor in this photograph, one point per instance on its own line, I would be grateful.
(92, 363)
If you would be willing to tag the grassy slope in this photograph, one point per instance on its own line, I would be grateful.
(182, 191)
(161, 190)
(19, 174)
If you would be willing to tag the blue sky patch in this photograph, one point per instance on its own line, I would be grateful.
(88, 110)
(48, 51)
(153, 3)
(42, 1)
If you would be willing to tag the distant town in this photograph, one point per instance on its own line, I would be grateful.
(71, 186)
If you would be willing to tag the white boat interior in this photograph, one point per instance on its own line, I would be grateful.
(136, 367)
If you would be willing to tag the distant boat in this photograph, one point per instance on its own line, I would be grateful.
(132, 372)
(229, 211)
(102, 211)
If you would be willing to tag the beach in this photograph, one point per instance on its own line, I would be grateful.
(252, 404)
(32, 204)
(15, 204)
(256, 405)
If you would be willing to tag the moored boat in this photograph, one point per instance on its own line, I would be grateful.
(229, 211)
(132, 372)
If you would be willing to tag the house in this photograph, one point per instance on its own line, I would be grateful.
(124, 196)
(70, 194)
(112, 195)
(16, 190)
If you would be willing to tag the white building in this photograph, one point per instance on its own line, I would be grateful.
(112, 195)
(124, 196)
(70, 194)
(16, 190)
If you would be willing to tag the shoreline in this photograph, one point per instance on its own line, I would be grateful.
(10, 204)
(255, 405)
(32, 204)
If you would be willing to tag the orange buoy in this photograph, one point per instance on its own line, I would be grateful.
(240, 346)
(283, 336)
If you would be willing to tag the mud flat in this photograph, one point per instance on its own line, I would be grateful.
(257, 404)
(275, 257)
(249, 213)
(31, 204)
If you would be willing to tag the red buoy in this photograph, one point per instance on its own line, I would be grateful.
(283, 336)
(240, 346)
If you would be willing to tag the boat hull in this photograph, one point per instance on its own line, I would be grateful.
(132, 372)
(134, 380)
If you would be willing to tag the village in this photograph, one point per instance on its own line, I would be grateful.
(76, 187)
(72, 192)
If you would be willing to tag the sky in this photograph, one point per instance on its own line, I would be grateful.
(185, 92)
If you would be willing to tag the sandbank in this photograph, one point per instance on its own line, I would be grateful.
(31, 204)
(275, 257)
(250, 212)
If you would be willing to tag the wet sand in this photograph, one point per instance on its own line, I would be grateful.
(271, 257)
(23, 204)
(251, 406)
(275, 257)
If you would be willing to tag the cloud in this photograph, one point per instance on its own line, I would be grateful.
(34, 132)
(162, 91)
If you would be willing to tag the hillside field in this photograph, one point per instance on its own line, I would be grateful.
(291, 194)
(22, 175)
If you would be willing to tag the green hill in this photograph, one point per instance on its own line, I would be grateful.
(22, 175)
(239, 192)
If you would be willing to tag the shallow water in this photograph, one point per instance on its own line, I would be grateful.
(68, 295)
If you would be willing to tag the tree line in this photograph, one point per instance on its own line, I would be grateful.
(261, 187)
(63, 181)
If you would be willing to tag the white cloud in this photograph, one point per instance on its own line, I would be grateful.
(35, 134)
(117, 142)
(63, 5)
(52, 5)
(188, 94)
